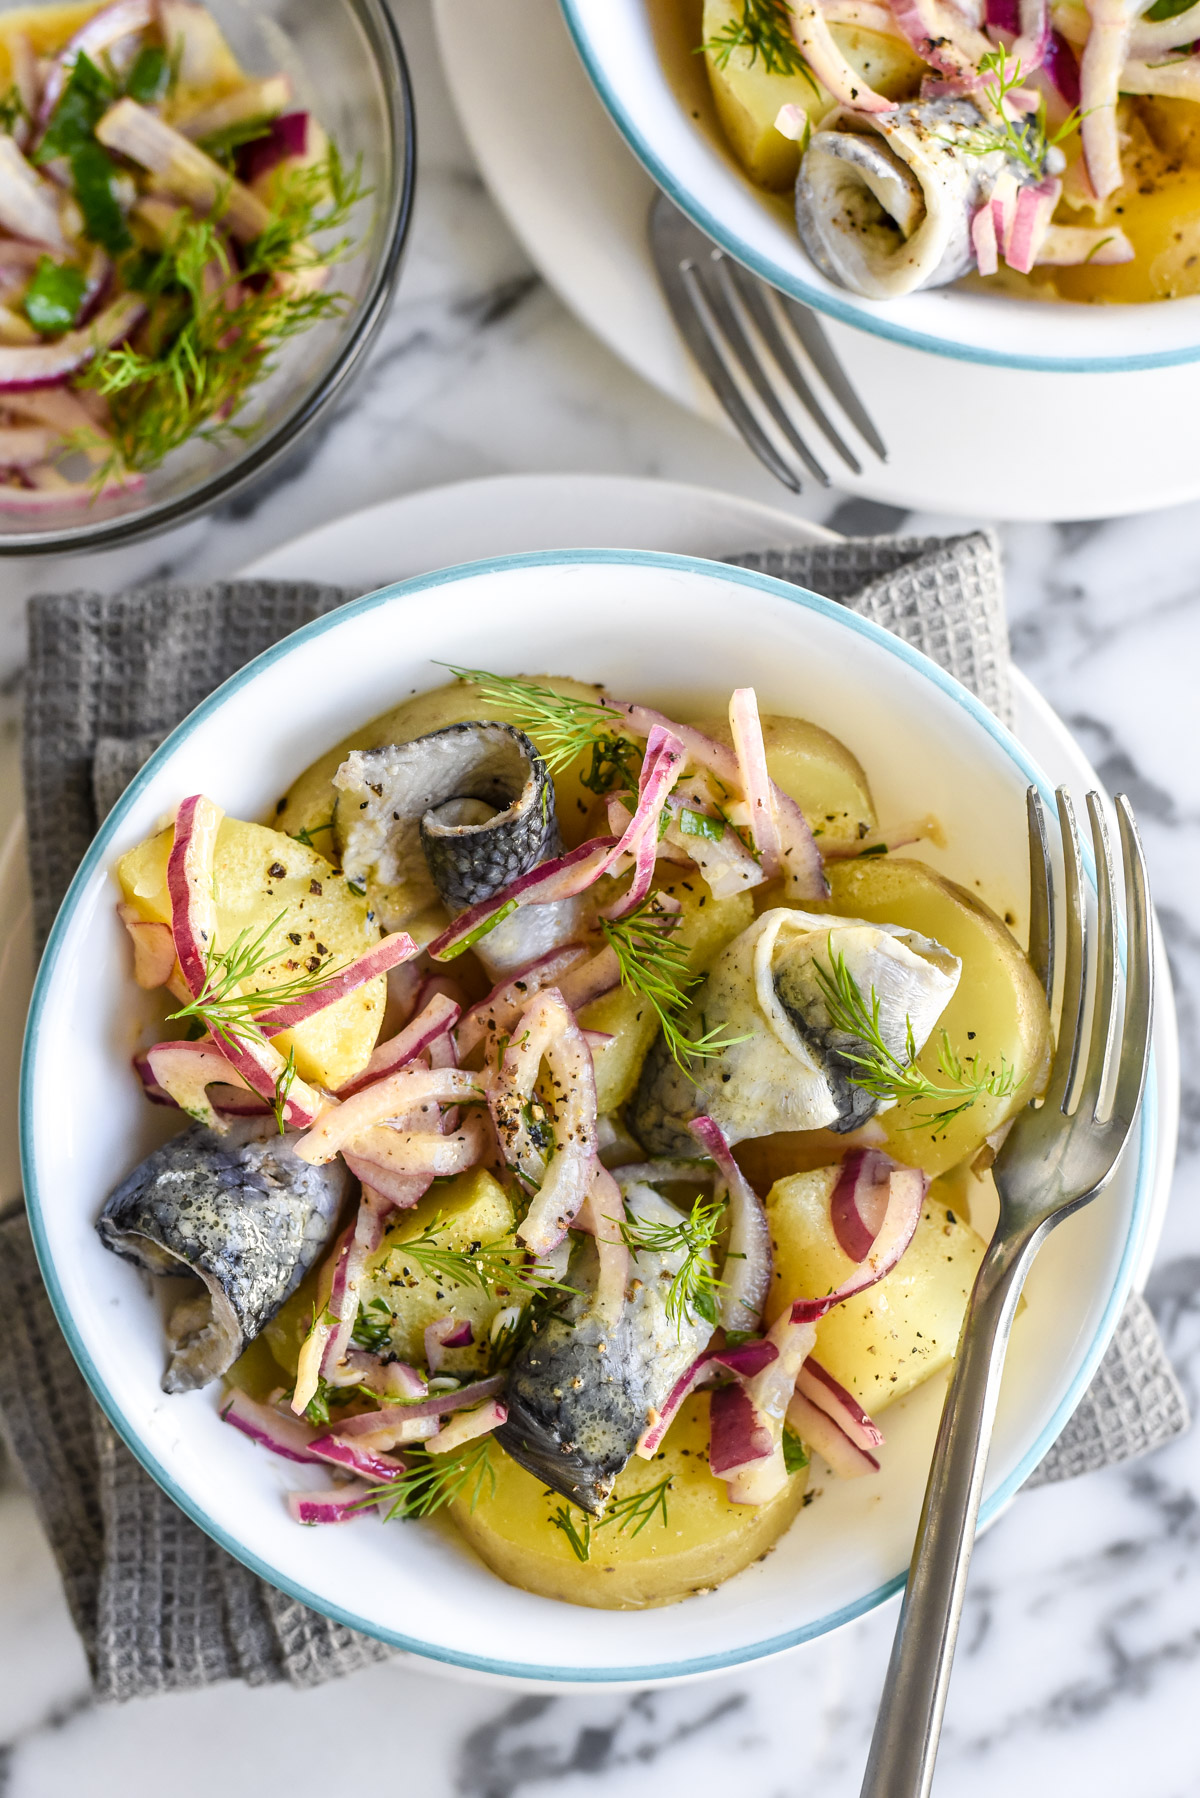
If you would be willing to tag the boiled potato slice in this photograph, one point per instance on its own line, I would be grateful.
(258, 875)
(704, 1541)
(883, 1342)
(748, 98)
(998, 1013)
(818, 772)
(308, 803)
(705, 926)
(474, 1208)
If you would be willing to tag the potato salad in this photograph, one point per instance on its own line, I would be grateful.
(583, 1111)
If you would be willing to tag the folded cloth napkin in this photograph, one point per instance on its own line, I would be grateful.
(159, 1606)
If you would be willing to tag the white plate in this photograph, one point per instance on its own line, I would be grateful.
(660, 625)
(964, 438)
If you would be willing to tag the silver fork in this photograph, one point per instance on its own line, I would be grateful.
(720, 308)
(1059, 1155)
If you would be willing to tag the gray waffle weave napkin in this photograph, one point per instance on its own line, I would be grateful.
(159, 1606)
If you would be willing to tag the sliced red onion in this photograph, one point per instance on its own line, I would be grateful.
(182, 169)
(63, 411)
(661, 766)
(46, 364)
(819, 1387)
(770, 1392)
(1062, 66)
(28, 202)
(402, 1191)
(433, 1021)
(1003, 202)
(1178, 78)
(312, 1350)
(191, 888)
(738, 1434)
(907, 1187)
(1068, 246)
(289, 139)
(396, 948)
(341, 1307)
(818, 1430)
(445, 1333)
(592, 980)
(1003, 15)
(1035, 208)
(96, 35)
(601, 1215)
(803, 869)
(983, 242)
(860, 1200)
(655, 1173)
(562, 878)
(355, 1458)
(467, 1426)
(344, 1123)
(1100, 68)
(1154, 37)
(792, 121)
(746, 728)
(153, 948)
(246, 105)
(946, 40)
(438, 1404)
(745, 1361)
(412, 1153)
(340, 1504)
(810, 28)
(183, 1072)
(746, 1275)
(548, 1030)
(493, 1016)
(285, 1436)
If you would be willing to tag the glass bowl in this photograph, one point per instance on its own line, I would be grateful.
(347, 67)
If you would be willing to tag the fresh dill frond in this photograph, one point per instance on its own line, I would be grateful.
(693, 1289)
(878, 1070)
(283, 1086)
(655, 965)
(765, 30)
(500, 1265)
(431, 1482)
(13, 111)
(224, 1009)
(307, 832)
(562, 726)
(213, 327)
(1027, 140)
(374, 1332)
(636, 1509)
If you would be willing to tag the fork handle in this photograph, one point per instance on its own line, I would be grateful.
(904, 1746)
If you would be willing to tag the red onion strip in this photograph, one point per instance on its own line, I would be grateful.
(550, 881)
(1100, 68)
(340, 1504)
(817, 1429)
(983, 240)
(341, 1308)
(190, 887)
(907, 1187)
(801, 858)
(153, 948)
(376, 1468)
(402, 1191)
(661, 766)
(439, 1016)
(465, 1398)
(601, 1215)
(47, 364)
(745, 1361)
(445, 1333)
(183, 1072)
(182, 168)
(1068, 246)
(1035, 208)
(942, 37)
(412, 1153)
(1062, 66)
(505, 1003)
(771, 1392)
(312, 1350)
(820, 1388)
(859, 1201)
(284, 1436)
(746, 1274)
(387, 954)
(816, 43)
(549, 1031)
(344, 1123)
(739, 1436)
(94, 36)
(467, 1425)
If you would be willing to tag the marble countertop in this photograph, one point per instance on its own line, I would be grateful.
(1082, 1633)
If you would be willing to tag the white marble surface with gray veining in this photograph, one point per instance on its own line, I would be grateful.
(1080, 1657)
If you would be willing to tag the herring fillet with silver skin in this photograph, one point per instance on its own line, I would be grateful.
(884, 201)
(456, 815)
(581, 1391)
(790, 1070)
(244, 1214)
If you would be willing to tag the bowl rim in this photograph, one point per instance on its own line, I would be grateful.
(384, 39)
(96, 860)
(847, 308)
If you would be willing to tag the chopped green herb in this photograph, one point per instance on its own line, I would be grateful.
(149, 76)
(85, 99)
(307, 832)
(95, 173)
(795, 1455)
(764, 29)
(53, 297)
(1025, 140)
(580, 1544)
(480, 931)
(653, 964)
(699, 824)
(693, 1289)
(1167, 9)
(283, 1086)
(503, 1262)
(430, 1482)
(876, 1069)
(636, 1508)
(373, 1327)
(12, 109)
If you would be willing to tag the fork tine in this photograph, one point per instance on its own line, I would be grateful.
(1041, 895)
(758, 304)
(808, 329)
(1066, 1053)
(1092, 1095)
(687, 307)
(722, 303)
(1139, 969)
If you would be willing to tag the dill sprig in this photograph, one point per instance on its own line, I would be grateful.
(764, 29)
(429, 1482)
(693, 1290)
(284, 1082)
(1026, 141)
(225, 1010)
(878, 1070)
(563, 727)
(501, 1263)
(374, 1333)
(213, 325)
(655, 965)
(307, 832)
(636, 1509)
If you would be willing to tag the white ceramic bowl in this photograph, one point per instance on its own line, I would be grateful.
(640, 59)
(682, 632)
